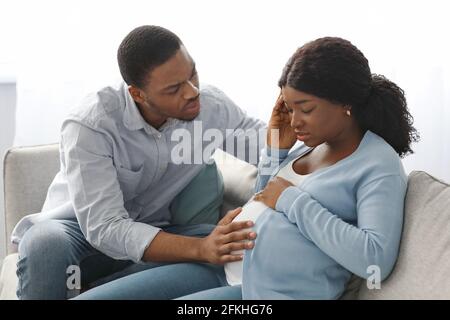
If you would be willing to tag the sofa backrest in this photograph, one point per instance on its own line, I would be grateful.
(421, 270)
(27, 173)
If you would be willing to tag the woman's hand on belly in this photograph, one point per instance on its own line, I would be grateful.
(228, 236)
(274, 188)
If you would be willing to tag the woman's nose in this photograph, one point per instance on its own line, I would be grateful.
(296, 121)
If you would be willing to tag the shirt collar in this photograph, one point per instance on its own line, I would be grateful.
(132, 118)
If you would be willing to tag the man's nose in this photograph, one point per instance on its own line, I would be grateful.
(190, 91)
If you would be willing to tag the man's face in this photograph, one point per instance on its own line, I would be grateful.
(172, 90)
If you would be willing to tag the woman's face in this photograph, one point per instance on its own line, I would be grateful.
(313, 119)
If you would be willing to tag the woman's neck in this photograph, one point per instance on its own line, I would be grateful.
(346, 142)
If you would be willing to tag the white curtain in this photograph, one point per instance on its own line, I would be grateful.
(62, 50)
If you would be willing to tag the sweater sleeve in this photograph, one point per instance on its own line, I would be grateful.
(271, 159)
(374, 240)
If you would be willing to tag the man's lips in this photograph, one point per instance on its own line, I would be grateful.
(192, 105)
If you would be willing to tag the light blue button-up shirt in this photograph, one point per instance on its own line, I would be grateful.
(117, 174)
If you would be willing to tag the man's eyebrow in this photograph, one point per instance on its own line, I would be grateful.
(173, 85)
(193, 69)
(178, 83)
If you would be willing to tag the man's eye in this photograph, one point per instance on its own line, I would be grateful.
(307, 111)
(175, 90)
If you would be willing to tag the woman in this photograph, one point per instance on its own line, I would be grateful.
(344, 212)
(328, 207)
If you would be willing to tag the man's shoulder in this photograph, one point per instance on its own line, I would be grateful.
(214, 100)
(209, 89)
(107, 102)
(212, 94)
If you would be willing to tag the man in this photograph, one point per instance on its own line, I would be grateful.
(107, 210)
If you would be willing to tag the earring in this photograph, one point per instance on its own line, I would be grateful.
(348, 113)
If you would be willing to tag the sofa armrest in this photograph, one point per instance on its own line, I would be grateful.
(27, 173)
(8, 278)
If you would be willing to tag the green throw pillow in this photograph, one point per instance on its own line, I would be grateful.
(200, 201)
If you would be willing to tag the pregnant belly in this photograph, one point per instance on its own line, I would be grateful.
(250, 211)
(286, 264)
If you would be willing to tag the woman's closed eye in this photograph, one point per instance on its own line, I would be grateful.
(290, 110)
(307, 111)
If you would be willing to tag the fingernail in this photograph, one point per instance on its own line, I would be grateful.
(252, 234)
(249, 244)
(250, 223)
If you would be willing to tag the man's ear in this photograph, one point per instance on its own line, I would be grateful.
(136, 94)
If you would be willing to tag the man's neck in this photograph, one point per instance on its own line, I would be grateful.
(155, 120)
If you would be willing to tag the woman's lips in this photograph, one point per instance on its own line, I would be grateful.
(302, 136)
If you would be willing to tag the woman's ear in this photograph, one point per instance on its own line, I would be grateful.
(348, 110)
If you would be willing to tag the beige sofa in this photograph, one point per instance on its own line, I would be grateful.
(420, 272)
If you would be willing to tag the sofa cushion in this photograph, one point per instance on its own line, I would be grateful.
(421, 271)
(239, 180)
(200, 201)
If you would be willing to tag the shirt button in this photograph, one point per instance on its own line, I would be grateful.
(159, 135)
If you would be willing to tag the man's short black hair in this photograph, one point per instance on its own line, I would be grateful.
(143, 49)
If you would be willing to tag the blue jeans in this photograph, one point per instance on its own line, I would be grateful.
(49, 248)
(219, 293)
(172, 281)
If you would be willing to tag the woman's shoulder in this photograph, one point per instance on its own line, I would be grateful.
(378, 158)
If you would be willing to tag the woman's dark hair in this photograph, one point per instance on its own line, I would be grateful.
(335, 70)
(142, 50)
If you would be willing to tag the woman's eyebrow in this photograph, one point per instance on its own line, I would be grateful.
(301, 101)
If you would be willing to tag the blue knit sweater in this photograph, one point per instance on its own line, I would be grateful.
(340, 220)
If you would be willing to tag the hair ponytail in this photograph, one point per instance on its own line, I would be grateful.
(386, 114)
